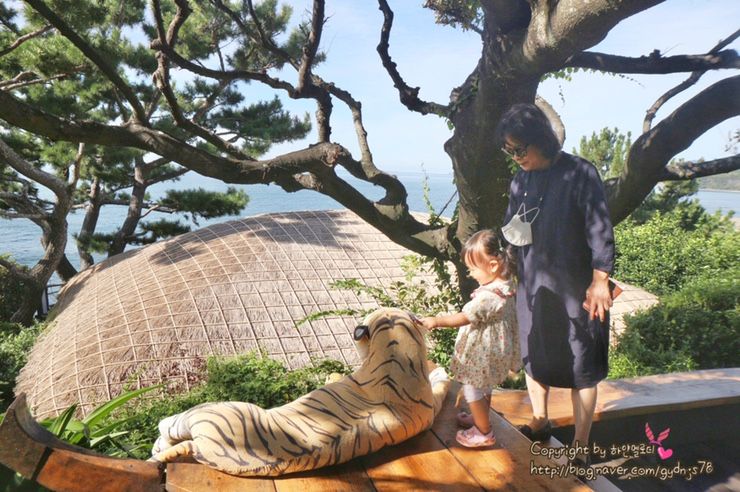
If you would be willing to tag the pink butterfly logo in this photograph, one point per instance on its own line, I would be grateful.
(663, 453)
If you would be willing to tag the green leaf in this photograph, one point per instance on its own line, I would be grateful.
(104, 410)
(103, 430)
(97, 440)
(58, 425)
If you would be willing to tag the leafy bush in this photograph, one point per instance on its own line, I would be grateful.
(412, 295)
(631, 359)
(661, 255)
(697, 327)
(15, 343)
(262, 381)
(12, 292)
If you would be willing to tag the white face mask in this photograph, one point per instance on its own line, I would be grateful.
(519, 232)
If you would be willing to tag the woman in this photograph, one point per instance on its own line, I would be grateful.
(559, 220)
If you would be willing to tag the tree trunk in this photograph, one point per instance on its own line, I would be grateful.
(65, 269)
(481, 169)
(89, 224)
(136, 204)
(55, 240)
(29, 305)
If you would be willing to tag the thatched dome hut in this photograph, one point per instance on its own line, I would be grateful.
(153, 315)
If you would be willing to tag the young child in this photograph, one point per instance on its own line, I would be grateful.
(487, 345)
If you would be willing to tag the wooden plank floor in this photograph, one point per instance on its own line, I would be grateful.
(431, 461)
(635, 396)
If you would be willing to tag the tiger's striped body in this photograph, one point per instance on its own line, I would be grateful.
(387, 400)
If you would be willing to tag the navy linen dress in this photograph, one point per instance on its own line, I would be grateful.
(571, 236)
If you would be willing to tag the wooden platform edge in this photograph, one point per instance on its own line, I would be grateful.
(620, 398)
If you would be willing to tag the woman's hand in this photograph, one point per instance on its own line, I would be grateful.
(598, 298)
(429, 323)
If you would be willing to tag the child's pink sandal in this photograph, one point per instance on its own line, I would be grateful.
(473, 438)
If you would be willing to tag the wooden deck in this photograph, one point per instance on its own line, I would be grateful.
(431, 461)
(702, 408)
(636, 396)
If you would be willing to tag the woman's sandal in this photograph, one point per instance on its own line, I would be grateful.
(538, 435)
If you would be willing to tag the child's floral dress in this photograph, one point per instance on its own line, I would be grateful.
(487, 348)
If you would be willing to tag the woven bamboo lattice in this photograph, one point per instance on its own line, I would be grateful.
(154, 314)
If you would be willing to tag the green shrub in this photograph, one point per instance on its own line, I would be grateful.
(263, 381)
(251, 378)
(12, 292)
(631, 359)
(661, 255)
(697, 327)
(15, 343)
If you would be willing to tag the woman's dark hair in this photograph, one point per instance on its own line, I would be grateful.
(490, 243)
(527, 124)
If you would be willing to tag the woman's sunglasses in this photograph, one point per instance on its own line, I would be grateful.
(516, 152)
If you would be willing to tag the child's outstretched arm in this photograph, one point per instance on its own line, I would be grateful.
(445, 321)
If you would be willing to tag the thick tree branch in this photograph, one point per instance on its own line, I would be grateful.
(167, 176)
(53, 225)
(650, 153)
(393, 220)
(227, 169)
(409, 95)
(25, 38)
(312, 46)
(15, 161)
(82, 45)
(692, 170)
(655, 63)
(559, 30)
(149, 166)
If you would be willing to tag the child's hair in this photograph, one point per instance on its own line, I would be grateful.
(489, 243)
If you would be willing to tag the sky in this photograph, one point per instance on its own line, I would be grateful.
(438, 59)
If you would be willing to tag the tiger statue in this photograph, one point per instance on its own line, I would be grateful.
(391, 397)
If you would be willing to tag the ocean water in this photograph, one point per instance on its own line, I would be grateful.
(20, 238)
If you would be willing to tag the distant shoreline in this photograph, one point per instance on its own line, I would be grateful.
(719, 190)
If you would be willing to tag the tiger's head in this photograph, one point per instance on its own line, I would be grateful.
(390, 330)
